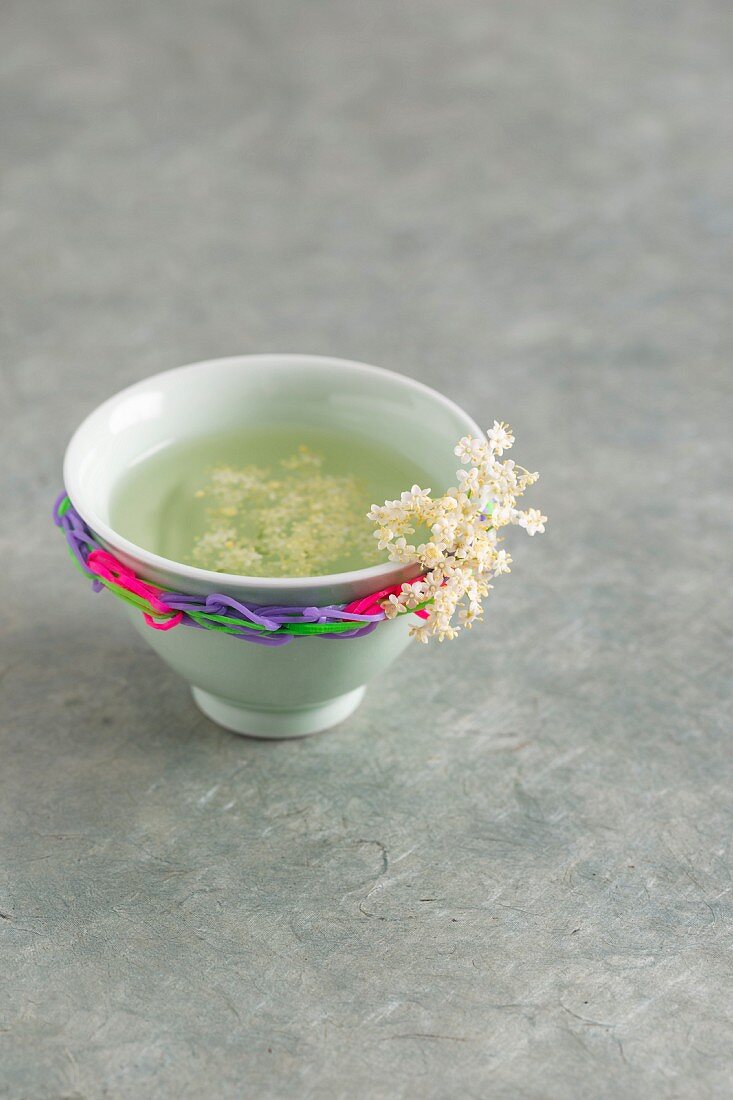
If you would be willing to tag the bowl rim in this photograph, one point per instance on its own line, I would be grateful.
(385, 573)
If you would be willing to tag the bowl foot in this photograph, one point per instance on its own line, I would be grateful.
(272, 723)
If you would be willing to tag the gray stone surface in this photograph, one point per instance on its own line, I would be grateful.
(508, 875)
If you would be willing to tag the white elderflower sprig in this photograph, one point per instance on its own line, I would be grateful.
(461, 553)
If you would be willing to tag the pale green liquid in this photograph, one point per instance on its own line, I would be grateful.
(166, 503)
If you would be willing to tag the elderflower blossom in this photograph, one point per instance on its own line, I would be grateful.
(459, 552)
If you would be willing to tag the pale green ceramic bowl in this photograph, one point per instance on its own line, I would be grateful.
(312, 683)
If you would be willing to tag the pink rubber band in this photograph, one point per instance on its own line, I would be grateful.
(370, 605)
(110, 569)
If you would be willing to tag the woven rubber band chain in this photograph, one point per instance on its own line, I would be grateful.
(162, 609)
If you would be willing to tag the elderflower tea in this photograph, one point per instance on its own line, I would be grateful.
(270, 502)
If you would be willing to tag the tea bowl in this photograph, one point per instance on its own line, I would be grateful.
(312, 683)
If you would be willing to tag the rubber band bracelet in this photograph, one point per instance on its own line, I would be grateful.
(162, 609)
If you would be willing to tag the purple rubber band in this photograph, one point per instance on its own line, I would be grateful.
(81, 542)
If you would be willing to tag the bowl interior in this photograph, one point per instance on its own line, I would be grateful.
(247, 391)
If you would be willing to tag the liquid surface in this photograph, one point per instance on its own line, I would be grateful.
(276, 502)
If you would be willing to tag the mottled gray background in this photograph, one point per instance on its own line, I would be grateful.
(508, 876)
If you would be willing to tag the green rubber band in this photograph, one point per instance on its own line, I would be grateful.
(204, 620)
(226, 620)
(131, 598)
(318, 628)
(221, 623)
